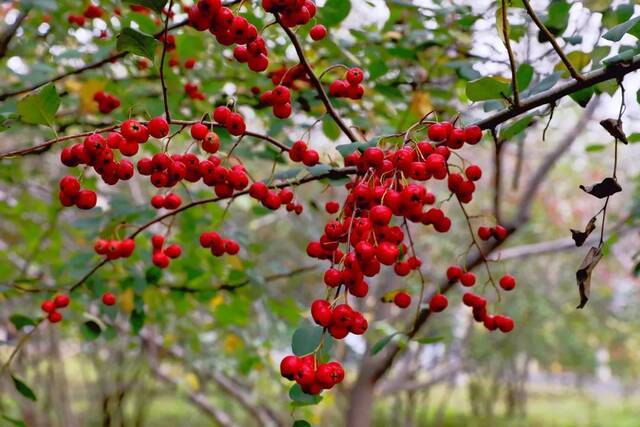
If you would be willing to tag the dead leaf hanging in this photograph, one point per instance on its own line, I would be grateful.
(583, 275)
(614, 127)
(581, 236)
(608, 187)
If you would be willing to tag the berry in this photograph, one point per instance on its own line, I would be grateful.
(158, 127)
(438, 303)
(54, 317)
(173, 251)
(468, 279)
(332, 207)
(402, 299)
(199, 131)
(472, 134)
(355, 76)
(454, 273)
(61, 301)
(321, 312)
(48, 306)
(86, 199)
(507, 282)
(108, 298)
(318, 32)
(504, 323)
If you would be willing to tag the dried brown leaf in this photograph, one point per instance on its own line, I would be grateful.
(581, 236)
(583, 275)
(614, 127)
(606, 188)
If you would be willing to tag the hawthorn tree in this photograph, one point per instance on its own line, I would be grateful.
(184, 130)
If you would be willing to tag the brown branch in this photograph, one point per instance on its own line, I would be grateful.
(331, 174)
(10, 31)
(532, 14)
(512, 60)
(316, 82)
(497, 175)
(167, 113)
(614, 71)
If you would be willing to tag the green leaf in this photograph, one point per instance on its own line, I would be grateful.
(318, 170)
(137, 320)
(13, 421)
(597, 5)
(136, 42)
(583, 96)
(156, 5)
(23, 389)
(626, 55)
(594, 148)
(544, 84)
(40, 108)
(633, 138)
(524, 75)
(578, 59)
(305, 340)
(429, 340)
(617, 32)
(90, 330)
(487, 88)
(334, 12)
(377, 347)
(515, 128)
(331, 129)
(301, 423)
(20, 321)
(300, 398)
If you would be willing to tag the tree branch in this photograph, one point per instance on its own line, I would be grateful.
(10, 31)
(512, 60)
(167, 113)
(574, 73)
(316, 82)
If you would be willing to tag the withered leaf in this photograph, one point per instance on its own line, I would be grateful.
(606, 188)
(583, 275)
(614, 127)
(581, 236)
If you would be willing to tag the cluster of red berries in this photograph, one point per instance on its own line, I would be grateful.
(92, 11)
(339, 320)
(193, 91)
(232, 121)
(71, 194)
(114, 249)
(350, 87)
(218, 245)
(231, 29)
(279, 98)
(106, 101)
(51, 307)
(162, 256)
(313, 377)
(498, 232)
(292, 12)
(293, 77)
(273, 200)
(478, 305)
(168, 201)
(300, 152)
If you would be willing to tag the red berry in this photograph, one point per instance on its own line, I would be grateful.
(172, 201)
(454, 272)
(221, 114)
(108, 298)
(289, 366)
(468, 279)
(472, 134)
(173, 251)
(61, 301)
(199, 131)
(86, 199)
(211, 142)
(504, 323)
(321, 312)
(157, 241)
(158, 127)
(380, 215)
(70, 186)
(157, 201)
(332, 207)
(48, 306)
(507, 282)
(402, 299)
(500, 232)
(484, 233)
(310, 158)
(318, 32)
(473, 172)
(438, 303)
(160, 260)
(437, 132)
(355, 76)
(54, 317)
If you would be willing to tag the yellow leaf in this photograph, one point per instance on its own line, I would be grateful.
(85, 91)
(234, 262)
(216, 301)
(126, 300)
(232, 343)
(421, 104)
(191, 380)
(578, 59)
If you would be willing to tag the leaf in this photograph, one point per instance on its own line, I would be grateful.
(486, 88)
(597, 5)
(305, 340)
(545, 84)
(429, 340)
(581, 236)
(40, 108)
(524, 75)
(23, 389)
(623, 56)
(377, 347)
(614, 127)
(583, 275)
(90, 330)
(331, 129)
(515, 128)
(20, 321)
(300, 398)
(13, 421)
(608, 187)
(617, 32)
(318, 170)
(136, 42)
(578, 59)
(137, 320)
(334, 12)
(156, 5)
(301, 423)
(583, 96)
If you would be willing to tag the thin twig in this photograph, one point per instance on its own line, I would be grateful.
(164, 53)
(512, 60)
